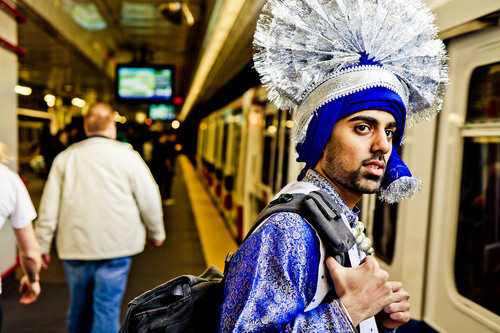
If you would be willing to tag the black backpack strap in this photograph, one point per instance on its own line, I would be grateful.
(324, 215)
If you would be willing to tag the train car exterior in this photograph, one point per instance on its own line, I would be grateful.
(246, 140)
(444, 245)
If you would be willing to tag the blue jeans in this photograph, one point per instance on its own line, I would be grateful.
(96, 289)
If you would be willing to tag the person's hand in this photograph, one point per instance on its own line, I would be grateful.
(364, 290)
(29, 290)
(45, 260)
(398, 312)
(154, 243)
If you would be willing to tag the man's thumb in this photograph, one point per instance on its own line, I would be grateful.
(332, 264)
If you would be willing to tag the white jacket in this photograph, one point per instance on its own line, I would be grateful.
(101, 197)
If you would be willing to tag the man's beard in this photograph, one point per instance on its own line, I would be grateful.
(356, 182)
(361, 183)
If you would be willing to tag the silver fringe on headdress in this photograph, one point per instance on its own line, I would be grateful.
(307, 52)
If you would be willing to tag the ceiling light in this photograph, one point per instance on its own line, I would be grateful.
(174, 6)
(226, 20)
(140, 117)
(22, 90)
(50, 100)
(176, 124)
(78, 102)
(174, 12)
(87, 16)
(188, 14)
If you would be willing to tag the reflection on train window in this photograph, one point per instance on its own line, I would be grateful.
(268, 150)
(237, 116)
(384, 230)
(224, 152)
(477, 259)
(277, 154)
(286, 149)
(484, 94)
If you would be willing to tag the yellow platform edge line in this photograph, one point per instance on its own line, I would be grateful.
(216, 241)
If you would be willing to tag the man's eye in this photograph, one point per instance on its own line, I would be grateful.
(389, 133)
(362, 128)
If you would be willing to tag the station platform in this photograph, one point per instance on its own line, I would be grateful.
(197, 237)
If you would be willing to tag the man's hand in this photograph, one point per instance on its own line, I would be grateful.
(364, 290)
(154, 243)
(29, 290)
(45, 260)
(398, 312)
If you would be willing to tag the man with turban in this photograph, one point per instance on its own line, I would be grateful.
(353, 72)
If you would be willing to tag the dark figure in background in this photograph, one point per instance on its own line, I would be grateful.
(170, 158)
(75, 130)
(163, 164)
(59, 142)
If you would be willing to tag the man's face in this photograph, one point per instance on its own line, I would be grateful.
(355, 157)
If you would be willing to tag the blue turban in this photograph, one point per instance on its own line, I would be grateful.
(321, 125)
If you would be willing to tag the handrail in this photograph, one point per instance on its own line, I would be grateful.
(20, 18)
(18, 50)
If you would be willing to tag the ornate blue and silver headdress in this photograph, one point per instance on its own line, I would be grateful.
(313, 52)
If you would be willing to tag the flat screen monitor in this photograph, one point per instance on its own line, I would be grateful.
(161, 112)
(145, 83)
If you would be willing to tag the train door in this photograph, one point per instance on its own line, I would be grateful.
(463, 278)
(231, 153)
(207, 154)
(284, 151)
(251, 155)
(269, 155)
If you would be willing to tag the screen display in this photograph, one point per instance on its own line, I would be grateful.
(161, 112)
(152, 83)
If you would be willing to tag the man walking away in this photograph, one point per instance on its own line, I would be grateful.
(103, 201)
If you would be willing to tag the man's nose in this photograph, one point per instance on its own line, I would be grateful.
(381, 143)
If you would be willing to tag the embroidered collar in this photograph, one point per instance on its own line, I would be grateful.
(315, 178)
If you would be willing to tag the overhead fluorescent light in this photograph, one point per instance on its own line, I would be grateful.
(227, 18)
(78, 102)
(22, 90)
(87, 16)
(50, 100)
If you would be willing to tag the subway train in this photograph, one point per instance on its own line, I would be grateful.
(444, 245)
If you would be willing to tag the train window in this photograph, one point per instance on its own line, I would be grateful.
(217, 144)
(237, 116)
(384, 230)
(268, 150)
(224, 152)
(266, 160)
(477, 254)
(277, 154)
(477, 257)
(484, 94)
(286, 150)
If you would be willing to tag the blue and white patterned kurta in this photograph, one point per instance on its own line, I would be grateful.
(273, 277)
